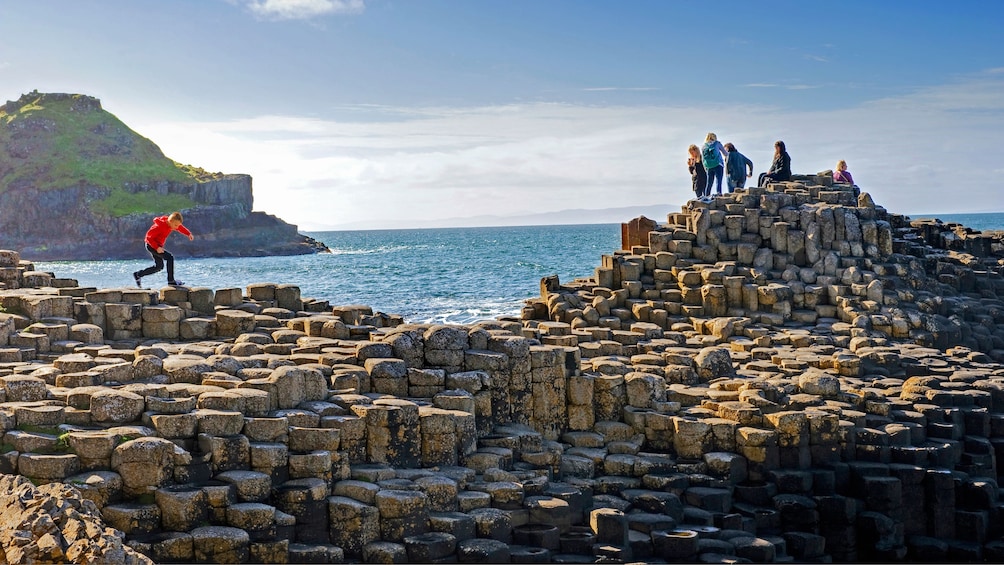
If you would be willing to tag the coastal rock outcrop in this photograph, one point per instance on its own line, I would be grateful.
(784, 374)
(805, 253)
(58, 224)
(101, 211)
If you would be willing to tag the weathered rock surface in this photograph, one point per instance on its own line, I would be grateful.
(62, 222)
(53, 524)
(784, 374)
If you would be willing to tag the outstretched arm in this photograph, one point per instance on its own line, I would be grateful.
(184, 231)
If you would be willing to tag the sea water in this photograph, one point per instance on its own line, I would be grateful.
(986, 221)
(449, 275)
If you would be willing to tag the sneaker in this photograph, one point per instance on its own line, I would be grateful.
(176, 283)
(136, 277)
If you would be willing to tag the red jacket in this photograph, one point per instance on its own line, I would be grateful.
(156, 236)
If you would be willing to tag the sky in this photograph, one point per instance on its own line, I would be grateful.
(375, 114)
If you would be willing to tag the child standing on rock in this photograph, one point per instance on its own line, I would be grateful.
(156, 236)
(697, 173)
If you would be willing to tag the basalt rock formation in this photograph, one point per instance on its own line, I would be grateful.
(76, 183)
(788, 373)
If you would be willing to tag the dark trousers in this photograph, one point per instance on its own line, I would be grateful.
(766, 178)
(714, 175)
(159, 259)
(734, 184)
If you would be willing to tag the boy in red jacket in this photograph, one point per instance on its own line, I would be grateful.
(155, 238)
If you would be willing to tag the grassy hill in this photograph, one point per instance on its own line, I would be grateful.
(78, 184)
(55, 141)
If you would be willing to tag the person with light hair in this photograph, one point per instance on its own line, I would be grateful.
(713, 159)
(155, 239)
(697, 173)
(841, 174)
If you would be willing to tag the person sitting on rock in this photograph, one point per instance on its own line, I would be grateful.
(155, 238)
(841, 174)
(780, 167)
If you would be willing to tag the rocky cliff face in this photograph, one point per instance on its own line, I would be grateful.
(66, 166)
(61, 224)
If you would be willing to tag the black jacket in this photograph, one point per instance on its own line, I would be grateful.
(780, 168)
(699, 176)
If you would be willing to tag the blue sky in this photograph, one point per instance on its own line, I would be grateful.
(394, 113)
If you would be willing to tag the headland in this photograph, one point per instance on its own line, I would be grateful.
(78, 184)
(788, 373)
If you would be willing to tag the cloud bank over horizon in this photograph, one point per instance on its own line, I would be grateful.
(400, 166)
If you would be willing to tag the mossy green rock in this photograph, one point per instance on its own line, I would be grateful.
(76, 183)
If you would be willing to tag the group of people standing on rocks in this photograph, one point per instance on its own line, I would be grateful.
(713, 160)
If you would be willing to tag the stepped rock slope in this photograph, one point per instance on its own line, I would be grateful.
(76, 183)
(786, 374)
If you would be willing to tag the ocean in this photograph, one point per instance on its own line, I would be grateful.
(986, 221)
(447, 275)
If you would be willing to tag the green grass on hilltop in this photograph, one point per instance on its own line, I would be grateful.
(57, 141)
(122, 203)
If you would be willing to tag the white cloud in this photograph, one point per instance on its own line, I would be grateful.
(303, 9)
(435, 163)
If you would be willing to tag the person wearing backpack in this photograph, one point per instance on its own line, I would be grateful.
(713, 158)
(736, 165)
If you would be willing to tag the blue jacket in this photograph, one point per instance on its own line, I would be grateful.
(736, 164)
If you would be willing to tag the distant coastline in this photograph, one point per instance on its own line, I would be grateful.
(982, 221)
(577, 217)
(581, 217)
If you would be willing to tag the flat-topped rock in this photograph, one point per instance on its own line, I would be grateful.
(786, 359)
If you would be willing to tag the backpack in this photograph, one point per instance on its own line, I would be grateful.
(709, 154)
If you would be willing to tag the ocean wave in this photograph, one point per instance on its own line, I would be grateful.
(377, 250)
(468, 316)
